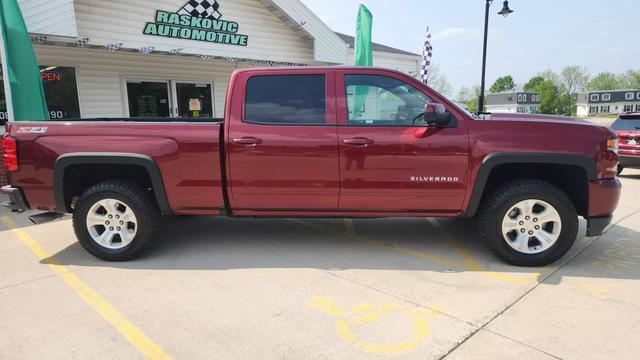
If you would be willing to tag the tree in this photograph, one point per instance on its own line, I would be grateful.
(438, 81)
(550, 99)
(631, 79)
(463, 96)
(606, 81)
(469, 97)
(503, 84)
(533, 83)
(575, 78)
(551, 76)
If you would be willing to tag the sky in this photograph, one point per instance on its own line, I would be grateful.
(539, 35)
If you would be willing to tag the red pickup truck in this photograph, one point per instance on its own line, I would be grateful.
(321, 142)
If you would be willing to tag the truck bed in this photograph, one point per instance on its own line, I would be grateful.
(187, 153)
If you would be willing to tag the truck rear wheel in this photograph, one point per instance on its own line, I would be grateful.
(116, 220)
(528, 223)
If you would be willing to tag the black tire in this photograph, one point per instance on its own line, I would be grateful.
(620, 169)
(495, 207)
(141, 202)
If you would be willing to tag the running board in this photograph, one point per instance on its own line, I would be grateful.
(45, 217)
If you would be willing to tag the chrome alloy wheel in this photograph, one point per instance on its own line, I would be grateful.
(531, 226)
(112, 224)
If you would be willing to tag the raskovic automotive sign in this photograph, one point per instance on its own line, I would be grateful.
(196, 20)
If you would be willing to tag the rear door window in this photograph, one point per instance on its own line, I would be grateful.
(286, 100)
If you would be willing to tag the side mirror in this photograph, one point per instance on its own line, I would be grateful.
(436, 115)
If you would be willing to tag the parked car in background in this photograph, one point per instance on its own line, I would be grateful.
(628, 129)
(322, 142)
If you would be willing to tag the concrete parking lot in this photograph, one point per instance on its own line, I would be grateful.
(216, 288)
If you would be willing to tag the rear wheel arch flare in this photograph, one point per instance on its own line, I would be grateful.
(67, 161)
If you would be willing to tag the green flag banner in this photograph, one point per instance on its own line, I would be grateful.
(363, 57)
(23, 87)
(363, 45)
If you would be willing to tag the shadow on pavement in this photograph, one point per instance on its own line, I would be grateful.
(629, 176)
(211, 243)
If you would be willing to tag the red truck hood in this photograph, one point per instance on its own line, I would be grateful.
(540, 118)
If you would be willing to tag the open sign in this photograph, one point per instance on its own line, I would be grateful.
(51, 76)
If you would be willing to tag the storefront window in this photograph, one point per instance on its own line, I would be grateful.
(194, 100)
(60, 90)
(148, 99)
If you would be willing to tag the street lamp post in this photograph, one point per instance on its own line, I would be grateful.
(504, 12)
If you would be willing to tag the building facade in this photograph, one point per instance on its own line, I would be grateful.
(513, 102)
(596, 103)
(170, 58)
(387, 57)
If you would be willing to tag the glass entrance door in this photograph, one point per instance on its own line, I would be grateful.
(194, 100)
(148, 99)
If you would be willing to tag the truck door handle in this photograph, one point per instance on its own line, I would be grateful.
(359, 141)
(251, 141)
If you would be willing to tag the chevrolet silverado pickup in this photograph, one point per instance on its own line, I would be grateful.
(321, 142)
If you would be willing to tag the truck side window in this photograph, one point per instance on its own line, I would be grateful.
(286, 99)
(374, 100)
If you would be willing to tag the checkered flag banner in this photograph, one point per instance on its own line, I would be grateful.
(427, 53)
(207, 9)
(113, 47)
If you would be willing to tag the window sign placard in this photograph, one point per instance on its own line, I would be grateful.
(196, 20)
(195, 105)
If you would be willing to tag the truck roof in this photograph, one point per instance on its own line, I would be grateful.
(315, 68)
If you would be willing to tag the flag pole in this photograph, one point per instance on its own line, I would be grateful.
(5, 70)
(21, 74)
(427, 54)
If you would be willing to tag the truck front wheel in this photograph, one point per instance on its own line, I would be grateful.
(528, 223)
(116, 220)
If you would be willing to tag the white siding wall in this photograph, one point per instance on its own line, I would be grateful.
(100, 75)
(111, 21)
(405, 63)
(328, 47)
(49, 17)
(583, 110)
(503, 108)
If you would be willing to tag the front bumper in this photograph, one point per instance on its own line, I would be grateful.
(604, 196)
(630, 161)
(597, 225)
(17, 202)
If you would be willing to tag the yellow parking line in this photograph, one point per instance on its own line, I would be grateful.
(473, 264)
(441, 260)
(109, 313)
(470, 263)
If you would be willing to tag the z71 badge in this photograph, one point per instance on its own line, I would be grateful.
(32, 130)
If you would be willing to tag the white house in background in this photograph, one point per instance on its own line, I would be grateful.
(387, 57)
(139, 58)
(513, 102)
(596, 103)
